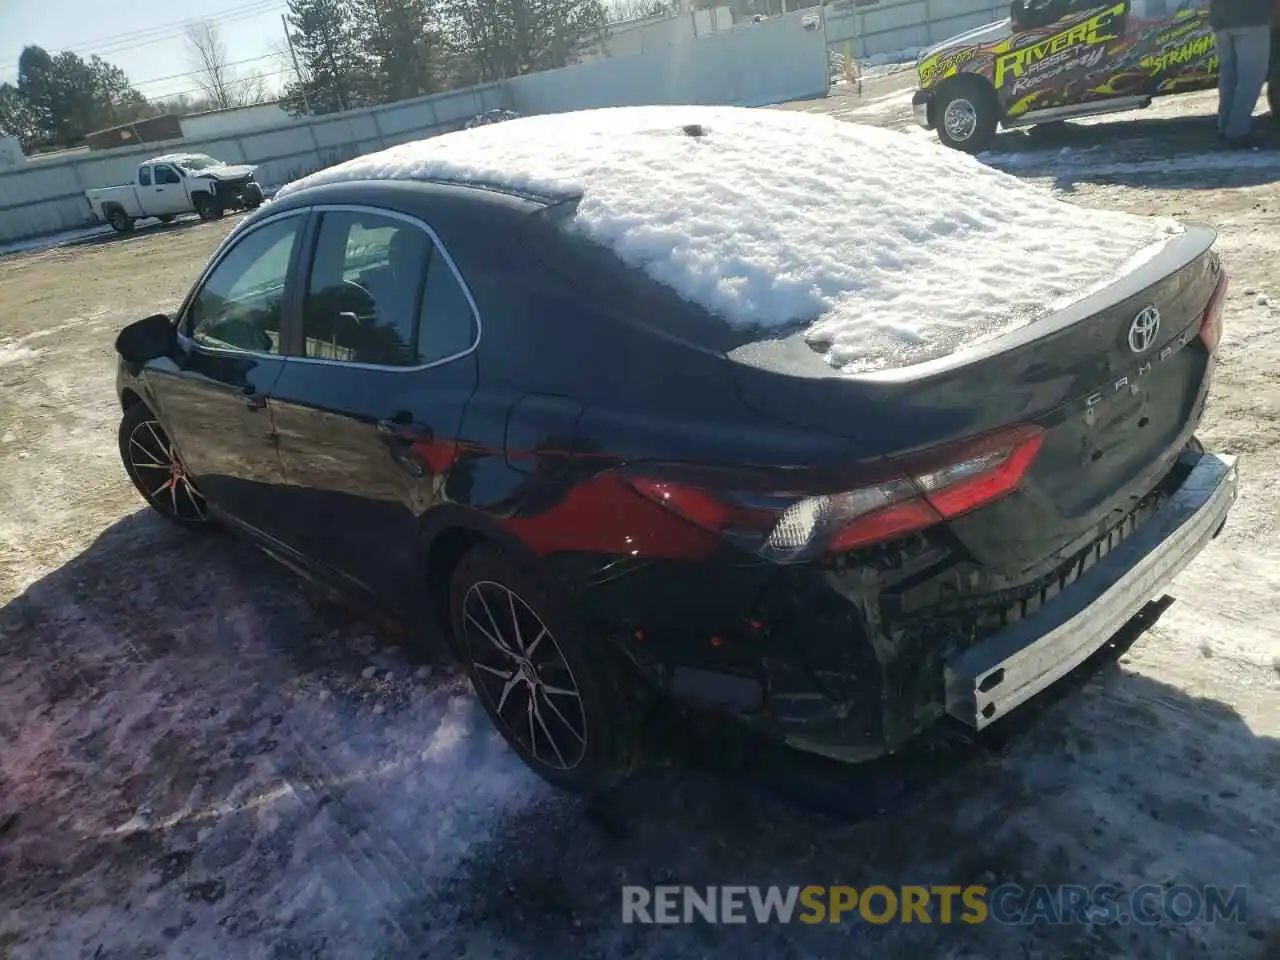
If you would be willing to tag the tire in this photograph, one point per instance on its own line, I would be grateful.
(967, 115)
(152, 466)
(253, 197)
(1273, 99)
(120, 221)
(167, 218)
(208, 207)
(584, 742)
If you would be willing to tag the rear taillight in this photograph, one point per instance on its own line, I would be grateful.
(916, 492)
(1211, 322)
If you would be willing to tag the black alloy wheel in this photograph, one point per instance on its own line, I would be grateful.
(555, 695)
(157, 472)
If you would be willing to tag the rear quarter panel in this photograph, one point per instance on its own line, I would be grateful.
(124, 196)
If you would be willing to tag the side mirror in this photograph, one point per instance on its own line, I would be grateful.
(146, 340)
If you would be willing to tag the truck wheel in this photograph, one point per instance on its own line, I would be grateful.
(253, 196)
(120, 221)
(208, 207)
(1273, 99)
(966, 115)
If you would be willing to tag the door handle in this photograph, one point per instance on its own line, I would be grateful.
(405, 430)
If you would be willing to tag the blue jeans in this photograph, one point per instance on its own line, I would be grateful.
(1244, 58)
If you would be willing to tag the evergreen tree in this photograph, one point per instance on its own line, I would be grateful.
(16, 116)
(333, 67)
(403, 42)
(67, 98)
(508, 38)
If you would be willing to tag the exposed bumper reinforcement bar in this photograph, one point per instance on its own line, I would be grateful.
(991, 679)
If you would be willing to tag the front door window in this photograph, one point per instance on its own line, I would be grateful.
(242, 300)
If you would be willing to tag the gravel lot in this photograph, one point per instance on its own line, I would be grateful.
(201, 758)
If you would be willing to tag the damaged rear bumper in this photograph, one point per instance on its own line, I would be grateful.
(998, 674)
(856, 659)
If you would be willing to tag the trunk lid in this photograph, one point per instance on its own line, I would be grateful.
(1115, 415)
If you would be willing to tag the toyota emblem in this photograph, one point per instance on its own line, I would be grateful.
(1143, 330)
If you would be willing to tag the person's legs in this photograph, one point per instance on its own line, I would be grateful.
(1252, 46)
(1225, 43)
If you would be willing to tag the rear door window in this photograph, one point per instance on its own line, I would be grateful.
(447, 323)
(144, 176)
(380, 293)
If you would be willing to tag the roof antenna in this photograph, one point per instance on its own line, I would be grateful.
(694, 130)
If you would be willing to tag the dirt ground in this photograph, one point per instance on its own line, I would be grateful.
(198, 758)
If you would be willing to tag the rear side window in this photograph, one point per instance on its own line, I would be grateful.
(611, 284)
(144, 176)
(380, 293)
(447, 324)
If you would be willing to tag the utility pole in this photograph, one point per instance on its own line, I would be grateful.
(302, 84)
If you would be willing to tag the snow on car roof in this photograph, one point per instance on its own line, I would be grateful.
(884, 247)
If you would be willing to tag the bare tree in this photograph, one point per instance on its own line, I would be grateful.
(207, 54)
(251, 89)
(224, 87)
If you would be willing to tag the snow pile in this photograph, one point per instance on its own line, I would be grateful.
(12, 352)
(885, 248)
(904, 55)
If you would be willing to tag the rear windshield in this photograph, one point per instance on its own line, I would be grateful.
(600, 273)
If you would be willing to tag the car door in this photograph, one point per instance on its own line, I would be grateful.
(213, 399)
(1174, 44)
(367, 411)
(145, 188)
(169, 195)
(1061, 54)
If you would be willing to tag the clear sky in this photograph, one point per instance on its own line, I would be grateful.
(145, 37)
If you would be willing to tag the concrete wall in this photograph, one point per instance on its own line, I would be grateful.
(47, 197)
(750, 65)
(639, 36)
(888, 26)
(218, 122)
(11, 153)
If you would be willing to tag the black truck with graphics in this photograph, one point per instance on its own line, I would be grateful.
(1055, 60)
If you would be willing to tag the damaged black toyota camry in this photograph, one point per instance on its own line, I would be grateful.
(680, 406)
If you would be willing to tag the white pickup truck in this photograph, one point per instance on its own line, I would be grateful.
(177, 183)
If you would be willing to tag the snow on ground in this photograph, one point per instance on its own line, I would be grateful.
(15, 353)
(54, 239)
(784, 220)
(867, 110)
(263, 767)
(1170, 140)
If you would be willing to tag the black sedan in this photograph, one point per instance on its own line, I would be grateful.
(434, 396)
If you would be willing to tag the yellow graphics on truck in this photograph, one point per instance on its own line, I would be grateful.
(1064, 58)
